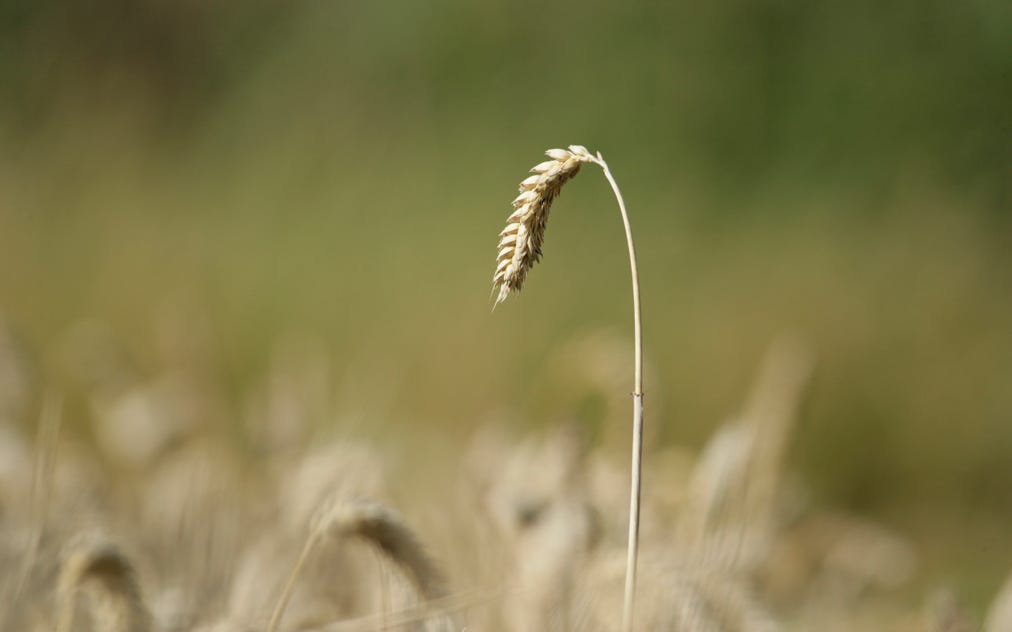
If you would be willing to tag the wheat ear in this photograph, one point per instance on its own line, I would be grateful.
(520, 248)
(117, 603)
(381, 526)
(520, 242)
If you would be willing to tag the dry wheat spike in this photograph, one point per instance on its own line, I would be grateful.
(385, 529)
(520, 242)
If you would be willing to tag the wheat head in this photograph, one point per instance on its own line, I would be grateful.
(520, 248)
(117, 604)
(520, 242)
(388, 531)
(341, 517)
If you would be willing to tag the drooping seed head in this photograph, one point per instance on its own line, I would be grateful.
(520, 242)
(95, 563)
(340, 517)
(386, 529)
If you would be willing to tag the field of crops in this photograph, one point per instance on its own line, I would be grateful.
(251, 377)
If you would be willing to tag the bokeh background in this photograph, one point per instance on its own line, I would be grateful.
(203, 182)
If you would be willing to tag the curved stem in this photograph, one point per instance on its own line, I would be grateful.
(637, 394)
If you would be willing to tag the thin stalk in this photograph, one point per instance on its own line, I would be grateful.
(637, 395)
(520, 248)
(286, 593)
(42, 483)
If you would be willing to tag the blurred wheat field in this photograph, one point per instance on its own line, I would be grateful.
(244, 268)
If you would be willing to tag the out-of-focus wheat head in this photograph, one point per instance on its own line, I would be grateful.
(520, 242)
(389, 532)
(945, 613)
(340, 518)
(96, 563)
(675, 594)
(537, 501)
(334, 470)
(730, 508)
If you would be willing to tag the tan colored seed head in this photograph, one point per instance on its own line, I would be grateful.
(95, 563)
(520, 242)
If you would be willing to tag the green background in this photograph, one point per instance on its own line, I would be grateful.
(341, 169)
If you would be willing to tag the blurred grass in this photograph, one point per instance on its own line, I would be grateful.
(342, 168)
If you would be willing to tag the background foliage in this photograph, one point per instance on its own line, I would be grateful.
(340, 170)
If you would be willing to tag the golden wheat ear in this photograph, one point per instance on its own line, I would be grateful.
(97, 564)
(520, 242)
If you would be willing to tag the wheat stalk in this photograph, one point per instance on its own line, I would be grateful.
(520, 248)
(42, 484)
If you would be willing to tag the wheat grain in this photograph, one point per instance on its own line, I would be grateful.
(520, 242)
